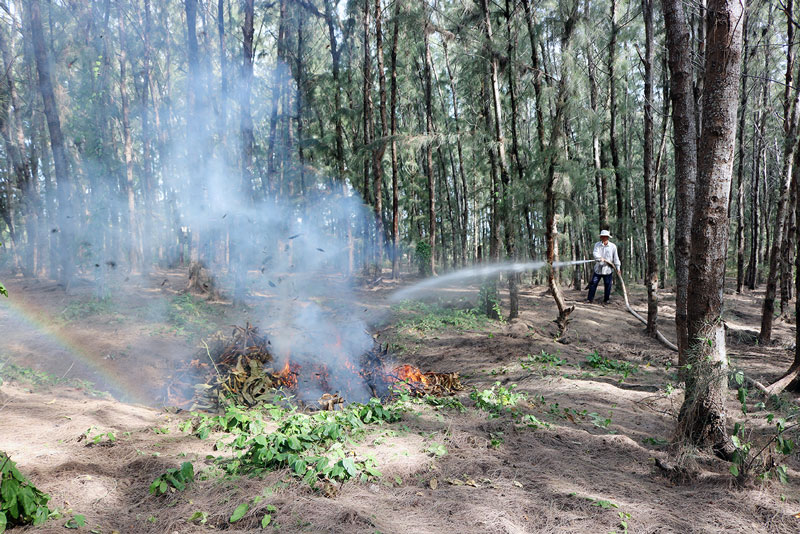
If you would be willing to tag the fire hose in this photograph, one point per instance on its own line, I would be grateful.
(659, 335)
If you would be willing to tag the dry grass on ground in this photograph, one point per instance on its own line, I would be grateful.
(590, 469)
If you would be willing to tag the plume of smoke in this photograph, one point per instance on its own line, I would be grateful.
(293, 252)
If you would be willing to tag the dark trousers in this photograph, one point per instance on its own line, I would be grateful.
(607, 281)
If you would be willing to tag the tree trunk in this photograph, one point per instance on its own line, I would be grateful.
(680, 67)
(26, 180)
(64, 185)
(380, 149)
(651, 280)
(462, 175)
(702, 417)
(599, 176)
(551, 228)
(612, 129)
(661, 176)
(787, 249)
(505, 177)
(429, 143)
(393, 119)
(740, 167)
(279, 81)
(790, 159)
(135, 251)
(537, 77)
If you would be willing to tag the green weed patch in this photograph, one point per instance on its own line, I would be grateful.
(22, 503)
(311, 446)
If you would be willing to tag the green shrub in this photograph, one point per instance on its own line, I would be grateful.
(21, 503)
(426, 318)
(423, 256)
(175, 478)
(311, 446)
(605, 365)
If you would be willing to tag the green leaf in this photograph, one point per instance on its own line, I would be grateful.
(783, 475)
(239, 512)
(734, 470)
(3, 292)
(3, 522)
(187, 471)
(202, 517)
(75, 522)
(294, 443)
(266, 520)
(350, 466)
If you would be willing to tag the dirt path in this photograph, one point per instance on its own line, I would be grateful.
(586, 468)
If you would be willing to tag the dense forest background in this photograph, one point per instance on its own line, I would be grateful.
(446, 118)
(312, 135)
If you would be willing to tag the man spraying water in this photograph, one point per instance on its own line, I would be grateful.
(605, 254)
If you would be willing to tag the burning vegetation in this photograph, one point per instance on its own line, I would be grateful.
(243, 369)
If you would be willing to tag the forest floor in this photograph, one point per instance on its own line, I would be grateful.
(576, 455)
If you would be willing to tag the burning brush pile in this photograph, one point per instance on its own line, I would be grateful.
(244, 369)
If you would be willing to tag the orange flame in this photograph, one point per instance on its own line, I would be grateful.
(408, 373)
(288, 375)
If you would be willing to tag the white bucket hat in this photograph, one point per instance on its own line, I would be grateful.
(605, 233)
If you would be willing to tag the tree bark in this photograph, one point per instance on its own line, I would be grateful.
(393, 126)
(612, 127)
(703, 416)
(790, 118)
(680, 67)
(64, 184)
(505, 177)
(651, 279)
(599, 176)
(429, 141)
(14, 138)
(551, 228)
(740, 166)
(135, 251)
(380, 149)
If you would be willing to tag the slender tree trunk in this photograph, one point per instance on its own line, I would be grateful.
(14, 138)
(661, 176)
(300, 103)
(270, 184)
(680, 67)
(612, 129)
(740, 167)
(551, 228)
(429, 142)
(462, 175)
(489, 286)
(790, 117)
(505, 177)
(247, 149)
(377, 155)
(787, 249)
(64, 184)
(702, 417)
(393, 119)
(599, 176)
(651, 279)
(134, 232)
(537, 77)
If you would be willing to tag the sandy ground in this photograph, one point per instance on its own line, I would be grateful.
(555, 479)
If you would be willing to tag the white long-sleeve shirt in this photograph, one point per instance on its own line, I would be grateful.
(608, 252)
